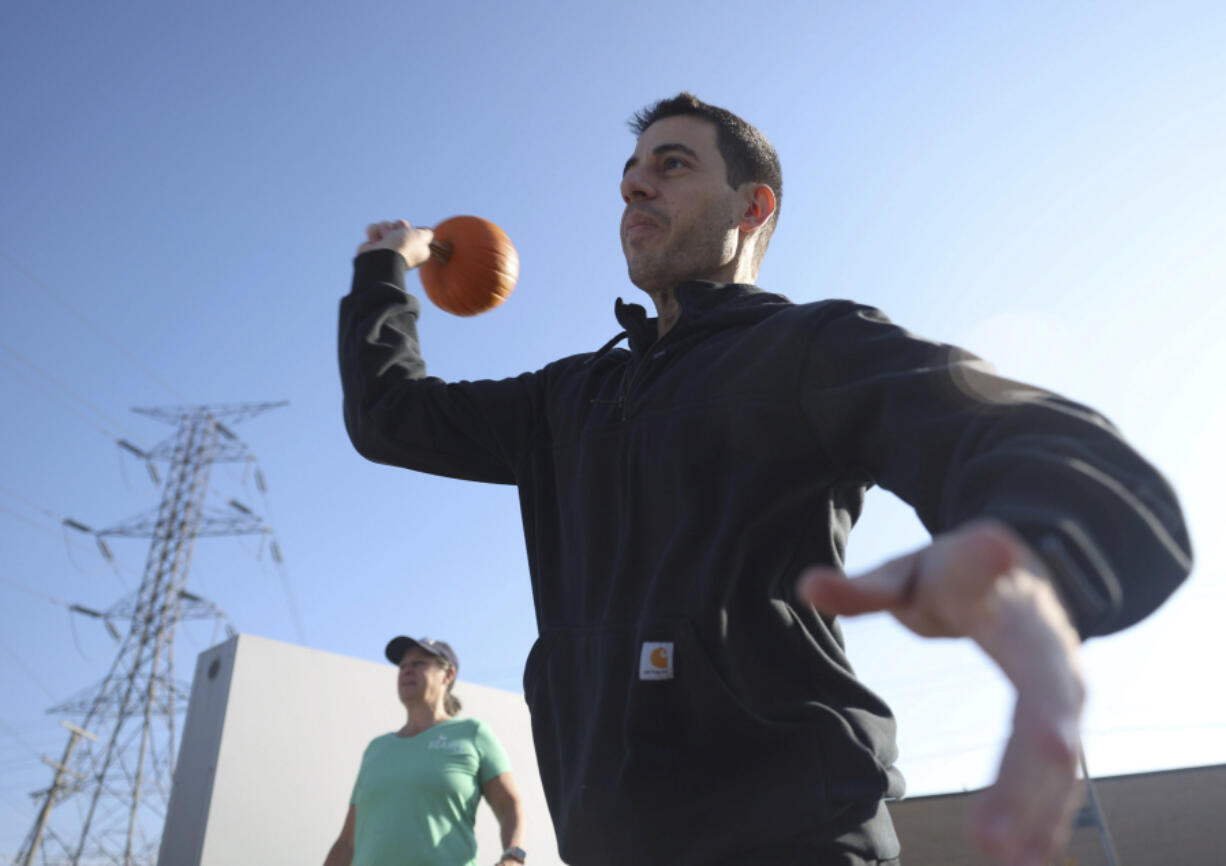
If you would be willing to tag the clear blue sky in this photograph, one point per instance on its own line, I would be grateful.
(1039, 182)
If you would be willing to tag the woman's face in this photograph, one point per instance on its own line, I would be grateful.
(423, 677)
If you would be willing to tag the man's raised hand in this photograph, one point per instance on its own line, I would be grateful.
(412, 243)
(983, 582)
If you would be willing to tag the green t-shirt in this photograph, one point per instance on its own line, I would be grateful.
(417, 797)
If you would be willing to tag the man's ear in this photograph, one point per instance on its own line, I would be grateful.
(759, 206)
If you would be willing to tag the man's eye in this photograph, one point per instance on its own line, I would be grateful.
(671, 162)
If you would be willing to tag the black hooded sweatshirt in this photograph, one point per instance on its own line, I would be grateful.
(685, 706)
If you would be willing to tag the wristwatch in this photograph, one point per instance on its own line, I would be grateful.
(515, 854)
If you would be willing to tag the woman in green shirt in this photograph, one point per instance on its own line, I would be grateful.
(416, 796)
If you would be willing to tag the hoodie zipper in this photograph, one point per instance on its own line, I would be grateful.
(648, 357)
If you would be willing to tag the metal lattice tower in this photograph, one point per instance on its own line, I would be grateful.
(124, 781)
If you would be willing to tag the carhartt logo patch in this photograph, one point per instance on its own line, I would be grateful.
(656, 662)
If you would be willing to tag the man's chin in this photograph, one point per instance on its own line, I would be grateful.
(646, 285)
(642, 274)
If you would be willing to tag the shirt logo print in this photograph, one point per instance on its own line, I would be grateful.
(441, 742)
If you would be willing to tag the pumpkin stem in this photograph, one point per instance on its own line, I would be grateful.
(440, 250)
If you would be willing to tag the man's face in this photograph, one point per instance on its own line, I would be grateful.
(681, 217)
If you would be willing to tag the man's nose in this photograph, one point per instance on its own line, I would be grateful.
(635, 185)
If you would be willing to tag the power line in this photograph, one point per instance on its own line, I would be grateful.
(961, 750)
(31, 503)
(67, 390)
(1104, 832)
(14, 750)
(28, 520)
(275, 550)
(119, 440)
(70, 523)
(1085, 735)
(69, 407)
(101, 334)
(114, 567)
(24, 588)
(44, 596)
(12, 732)
(269, 537)
(286, 585)
(13, 804)
(1156, 729)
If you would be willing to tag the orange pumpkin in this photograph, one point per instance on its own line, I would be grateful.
(472, 268)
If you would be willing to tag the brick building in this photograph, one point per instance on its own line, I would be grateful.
(1165, 818)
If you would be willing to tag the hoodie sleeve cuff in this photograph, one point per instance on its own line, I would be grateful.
(386, 267)
(1082, 577)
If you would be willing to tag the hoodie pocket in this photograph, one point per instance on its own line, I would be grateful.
(637, 731)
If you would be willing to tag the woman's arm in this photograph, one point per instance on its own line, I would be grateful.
(342, 849)
(501, 794)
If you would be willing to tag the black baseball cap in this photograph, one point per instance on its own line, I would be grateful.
(398, 646)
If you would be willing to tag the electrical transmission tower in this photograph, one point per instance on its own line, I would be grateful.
(122, 783)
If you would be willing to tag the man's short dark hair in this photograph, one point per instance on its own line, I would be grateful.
(746, 152)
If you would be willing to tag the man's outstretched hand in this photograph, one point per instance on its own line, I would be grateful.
(398, 235)
(983, 582)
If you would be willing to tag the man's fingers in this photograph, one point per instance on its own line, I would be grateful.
(399, 235)
(377, 231)
(886, 587)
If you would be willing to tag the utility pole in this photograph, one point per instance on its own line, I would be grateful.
(35, 838)
(127, 778)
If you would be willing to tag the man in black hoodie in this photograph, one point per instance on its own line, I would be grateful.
(686, 505)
